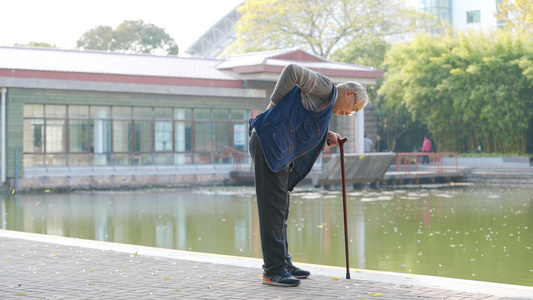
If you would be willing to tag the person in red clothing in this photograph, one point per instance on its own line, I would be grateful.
(426, 147)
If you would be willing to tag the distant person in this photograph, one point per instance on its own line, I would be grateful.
(426, 147)
(433, 145)
(381, 145)
(368, 144)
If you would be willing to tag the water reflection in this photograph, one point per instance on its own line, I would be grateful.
(473, 233)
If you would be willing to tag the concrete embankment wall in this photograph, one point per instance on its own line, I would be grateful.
(119, 178)
(117, 182)
(515, 170)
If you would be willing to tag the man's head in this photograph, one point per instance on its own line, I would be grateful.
(351, 98)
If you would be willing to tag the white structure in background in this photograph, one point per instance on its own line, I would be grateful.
(219, 36)
(463, 14)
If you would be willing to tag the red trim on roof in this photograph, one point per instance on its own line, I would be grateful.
(121, 78)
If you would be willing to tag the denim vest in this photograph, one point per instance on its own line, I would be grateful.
(288, 132)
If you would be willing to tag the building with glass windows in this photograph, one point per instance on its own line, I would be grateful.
(86, 119)
(462, 14)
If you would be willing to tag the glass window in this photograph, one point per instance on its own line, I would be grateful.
(202, 114)
(183, 136)
(143, 136)
(78, 160)
(101, 159)
(121, 112)
(33, 136)
(55, 136)
(55, 111)
(143, 159)
(163, 159)
(183, 158)
(100, 112)
(473, 16)
(122, 159)
(55, 160)
(83, 135)
(101, 134)
(182, 114)
(33, 111)
(122, 134)
(79, 136)
(239, 114)
(163, 113)
(222, 136)
(33, 160)
(203, 137)
(202, 158)
(240, 136)
(78, 111)
(163, 136)
(220, 114)
(142, 113)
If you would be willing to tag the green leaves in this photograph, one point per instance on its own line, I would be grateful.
(129, 37)
(318, 26)
(517, 15)
(469, 88)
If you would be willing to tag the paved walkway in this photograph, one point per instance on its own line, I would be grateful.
(34, 266)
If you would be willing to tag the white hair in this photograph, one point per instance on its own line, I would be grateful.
(359, 90)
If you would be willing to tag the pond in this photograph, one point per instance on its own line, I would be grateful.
(472, 232)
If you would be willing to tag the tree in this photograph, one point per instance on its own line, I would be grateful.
(469, 88)
(37, 44)
(517, 14)
(129, 37)
(370, 51)
(395, 122)
(318, 26)
(367, 51)
(98, 38)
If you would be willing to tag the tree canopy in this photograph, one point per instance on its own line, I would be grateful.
(517, 14)
(129, 37)
(366, 51)
(469, 88)
(37, 44)
(319, 26)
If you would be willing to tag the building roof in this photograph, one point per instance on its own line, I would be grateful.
(99, 62)
(258, 65)
(229, 72)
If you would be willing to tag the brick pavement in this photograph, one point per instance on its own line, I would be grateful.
(43, 267)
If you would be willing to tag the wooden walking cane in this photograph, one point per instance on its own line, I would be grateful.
(343, 180)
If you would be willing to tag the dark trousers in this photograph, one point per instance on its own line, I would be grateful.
(273, 201)
(425, 158)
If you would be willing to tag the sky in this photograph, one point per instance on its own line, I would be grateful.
(63, 22)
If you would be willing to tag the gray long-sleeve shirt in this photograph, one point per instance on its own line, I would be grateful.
(317, 90)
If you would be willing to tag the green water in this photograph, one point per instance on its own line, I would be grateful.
(479, 233)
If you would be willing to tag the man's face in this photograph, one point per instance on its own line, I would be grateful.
(345, 105)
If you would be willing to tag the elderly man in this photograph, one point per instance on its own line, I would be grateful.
(285, 142)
